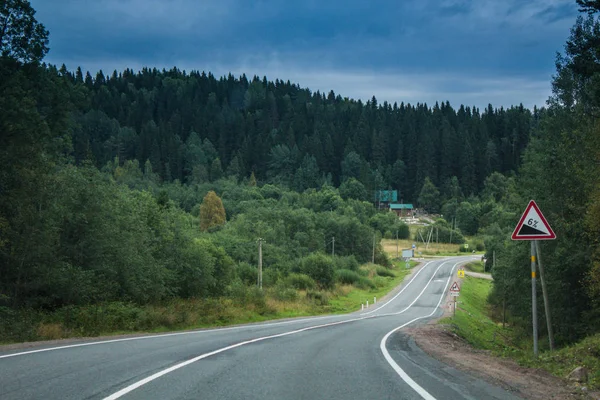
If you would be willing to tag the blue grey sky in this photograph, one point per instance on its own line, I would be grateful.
(471, 52)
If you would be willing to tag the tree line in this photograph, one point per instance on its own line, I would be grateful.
(194, 127)
(103, 179)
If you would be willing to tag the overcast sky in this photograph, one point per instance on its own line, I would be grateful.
(471, 52)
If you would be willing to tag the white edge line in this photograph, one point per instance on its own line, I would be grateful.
(157, 375)
(195, 332)
(22, 353)
(414, 385)
(400, 292)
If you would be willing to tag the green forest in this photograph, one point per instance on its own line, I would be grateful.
(154, 187)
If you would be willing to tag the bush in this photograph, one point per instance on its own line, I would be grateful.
(247, 273)
(271, 276)
(379, 281)
(318, 297)
(347, 262)
(300, 281)
(285, 293)
(479, 246)
(382, 271)
(365, 283)
(319, 267)
(347, 277)
(382, 258)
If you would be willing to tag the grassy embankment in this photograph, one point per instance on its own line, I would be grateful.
(476, 266)
(472, 322)
(243, 305)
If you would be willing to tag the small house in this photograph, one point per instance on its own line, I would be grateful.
(402, 210)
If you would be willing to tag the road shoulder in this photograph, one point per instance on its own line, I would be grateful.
(439, 342)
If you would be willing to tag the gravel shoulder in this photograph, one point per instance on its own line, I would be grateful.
(441, 343)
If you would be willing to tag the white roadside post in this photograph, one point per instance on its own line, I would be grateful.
(533, 226)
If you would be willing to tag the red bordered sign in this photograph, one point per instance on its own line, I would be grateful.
(533, 225)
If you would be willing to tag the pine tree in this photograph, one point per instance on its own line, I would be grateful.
(429, 196)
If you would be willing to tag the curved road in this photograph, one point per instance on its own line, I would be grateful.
(353, 356)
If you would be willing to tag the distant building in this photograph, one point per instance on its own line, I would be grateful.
(383, 198)
(402, 210)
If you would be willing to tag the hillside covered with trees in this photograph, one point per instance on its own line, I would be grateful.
(147, 187)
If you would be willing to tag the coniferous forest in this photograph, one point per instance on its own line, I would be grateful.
(130, 188)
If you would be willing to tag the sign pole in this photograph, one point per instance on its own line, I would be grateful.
(534, 300)
(533, 227)
(454, 306)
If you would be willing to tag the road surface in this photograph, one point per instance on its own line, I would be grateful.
(362, 355)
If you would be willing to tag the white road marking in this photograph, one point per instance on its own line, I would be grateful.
(196, 332)
(157, 375)
(400, 292)
(414, 385)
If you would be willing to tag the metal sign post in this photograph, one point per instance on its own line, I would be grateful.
(534, 300)
(533, 226)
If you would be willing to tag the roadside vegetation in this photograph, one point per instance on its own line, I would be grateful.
(139, 195)
(476, 266)
(481, 325)
(296, 295)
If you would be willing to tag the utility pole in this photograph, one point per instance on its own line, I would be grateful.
(429, 238)
(504, 303)
(373, 258)
(534, 300)
(397, 244)
(333, 246)
(452, 229)
(260, 242)
(545, 294)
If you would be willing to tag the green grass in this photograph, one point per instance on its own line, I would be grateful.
(582, 354)
(352, 299)
(472, 322)
(475, 266)
(244, 305)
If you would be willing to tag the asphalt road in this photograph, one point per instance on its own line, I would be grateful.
(362, 355)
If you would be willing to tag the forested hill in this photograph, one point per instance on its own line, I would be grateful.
(194, 127)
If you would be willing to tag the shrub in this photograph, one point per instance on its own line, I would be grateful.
(346, 262)
(317, 297)
(382, 271)
(479, 246)
(285, 293)
(271, 276)
(300, 281)
(347, 277)
(382, 258)
(319, 267)
(247, 273)
(365, 283)
(379, 281)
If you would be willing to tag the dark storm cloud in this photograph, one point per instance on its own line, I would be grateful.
(450, 49)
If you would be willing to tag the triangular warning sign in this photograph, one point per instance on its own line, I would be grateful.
(533, 225)
(455, 287)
